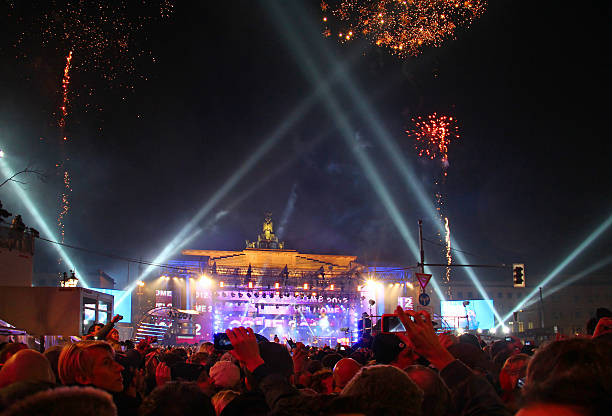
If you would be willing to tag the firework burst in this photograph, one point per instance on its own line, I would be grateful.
(102, 37)
(107, 37)
(433, 135)
(404, 27)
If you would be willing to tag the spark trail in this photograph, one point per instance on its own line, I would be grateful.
(63, 164)
(433, 134)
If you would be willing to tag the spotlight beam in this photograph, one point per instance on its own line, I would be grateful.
(31, 207)
(184, 235)
(553, 274)
(593, 268)
(310, 70)
(369, 114)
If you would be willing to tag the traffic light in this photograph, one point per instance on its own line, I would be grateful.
(518, 275)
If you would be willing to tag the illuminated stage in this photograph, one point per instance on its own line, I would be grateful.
(314, 298)
(316, 311)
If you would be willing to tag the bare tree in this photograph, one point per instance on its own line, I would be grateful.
(36, 172)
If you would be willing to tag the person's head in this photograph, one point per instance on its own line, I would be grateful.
(9, 349)
(207, 347)
(514, 368)
(52, 355)
(469, 339)
(94, 328)
(472, 356)
(573, 374)
(395, 392)
(171, 358)
(436, 395)
(199, 358)
(243, 405)
(65, 401)
(222, 399)
(277, 358)
(322, 381)
(344, 371)
(330, 360)
(386, 348)
(498, 346)
(225, 374)
(90, 363)
(176, 398)
(113, 335)
(26, 365)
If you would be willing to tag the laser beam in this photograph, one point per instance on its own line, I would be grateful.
(553, 274)
(368, 113)
(40, 221)
(584, 273)
(310, 70)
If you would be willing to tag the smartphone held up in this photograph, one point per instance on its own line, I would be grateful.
(392, 324)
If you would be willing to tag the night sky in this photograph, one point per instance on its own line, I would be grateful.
(528, 179)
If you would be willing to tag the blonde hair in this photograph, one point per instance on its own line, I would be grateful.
(74, 360)
(222, 399)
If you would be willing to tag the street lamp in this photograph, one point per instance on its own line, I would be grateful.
(71, 281)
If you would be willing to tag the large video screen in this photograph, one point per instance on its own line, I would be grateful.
(477, 314)
(125, 308)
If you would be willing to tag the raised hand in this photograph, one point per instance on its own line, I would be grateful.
(245, 346)
(421, 334)
(162, 374)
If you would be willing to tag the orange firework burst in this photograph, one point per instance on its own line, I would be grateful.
(403, 27)
(107, 36)
(433, 135)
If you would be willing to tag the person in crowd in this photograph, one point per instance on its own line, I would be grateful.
(512, 379)
(344, 371)
(207, 347)
(176, 398)
(65, 401)
(98, 331)
(26, 373)
(599, 313)
(52, 355)
(221, 399)
(569, 377)
(390, 349)
(436, 395)
(472, 356)
(199, 358)
(469, 339)
(16, 232)
(9, 349)
(322, 381)
(225, 376)
(92, 363)
(471, 393)
(395, 392)
(330, 360)
(26, 365)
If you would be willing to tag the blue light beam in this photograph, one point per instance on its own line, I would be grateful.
(575, 253)
(40, 221)
(310, 70)
(368, 113)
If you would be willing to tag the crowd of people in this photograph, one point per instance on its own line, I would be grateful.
(418, 372)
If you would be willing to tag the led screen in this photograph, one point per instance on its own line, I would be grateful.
(477, 314)
(125, 308)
